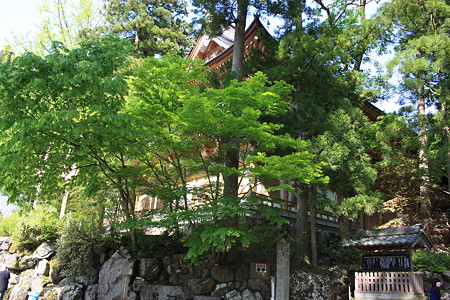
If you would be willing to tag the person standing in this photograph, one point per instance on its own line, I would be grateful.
(435, 292)
(4, 280)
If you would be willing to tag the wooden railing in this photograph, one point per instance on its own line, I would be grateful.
(388, 283)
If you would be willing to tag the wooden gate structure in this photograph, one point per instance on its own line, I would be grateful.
(387, 271)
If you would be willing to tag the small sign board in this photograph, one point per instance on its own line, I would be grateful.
(259, 270)
(385, 262)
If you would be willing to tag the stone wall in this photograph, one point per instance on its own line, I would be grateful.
(162, 277)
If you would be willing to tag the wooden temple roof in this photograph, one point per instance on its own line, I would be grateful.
(394, 238)
(215, 51)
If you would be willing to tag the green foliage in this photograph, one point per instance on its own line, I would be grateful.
(297, 166)
(368, 203)
(189, 141)
(6, 54)
(154, 27)
(67, 118)
(420, 32)
(209, 240)
(431, 261)
(80, 245)
(58, 101)
(334, 253)
(9, 224)
(343, 148)
(166, 244)
(39, 225)
(327, 48)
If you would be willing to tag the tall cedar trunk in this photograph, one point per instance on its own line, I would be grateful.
(301, 217)
(231, 182)
(301, 223)
(359, 57)
(445, 112)
(344, 223)
(425, 204)
(312, 210)
(239, 38)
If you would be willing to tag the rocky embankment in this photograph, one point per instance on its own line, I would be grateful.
(167, 277)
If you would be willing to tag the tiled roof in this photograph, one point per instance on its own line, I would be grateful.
(225, 40)
(401, 237)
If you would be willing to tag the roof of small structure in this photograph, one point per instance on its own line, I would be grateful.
(392, 238)
(225, 42)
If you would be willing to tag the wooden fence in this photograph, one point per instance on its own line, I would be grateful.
(388, 283)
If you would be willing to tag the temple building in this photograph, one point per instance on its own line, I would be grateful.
(217, 52)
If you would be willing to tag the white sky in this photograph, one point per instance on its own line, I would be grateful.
(19, 18)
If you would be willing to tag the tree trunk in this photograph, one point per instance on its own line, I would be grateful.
(128, 210)
(312, 210)
(344, 223)
(425, 204)
(301, 224)
(239, 38)
(444, 109)
(359, 57)
(65, 199)
(231, 182)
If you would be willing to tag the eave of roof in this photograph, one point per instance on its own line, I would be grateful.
(255, 25)
(401, 237)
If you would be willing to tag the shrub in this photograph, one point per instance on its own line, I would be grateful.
(37, 226)
(80, 245)
(148, 245)
(9, 224)
(431, 261)
(206, 240)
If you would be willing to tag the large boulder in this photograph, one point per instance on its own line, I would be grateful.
(222, 289)
(149, 268)
(201, 286)
(72, 292)
(20, 291)
(245, 295)
(38, 283)
(5, 243)
(223, 273)
(260, 285)
(25, 263)
(55, 271)
(305, 285)
(42, 268)
(13, 279)
(89, 278)
(51, 293)
(44, 251)
(241, 273)
(91, 292)
(10, 260)
(158, 292)
(115, 277)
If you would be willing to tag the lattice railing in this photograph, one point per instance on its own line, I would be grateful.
(388, 282)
